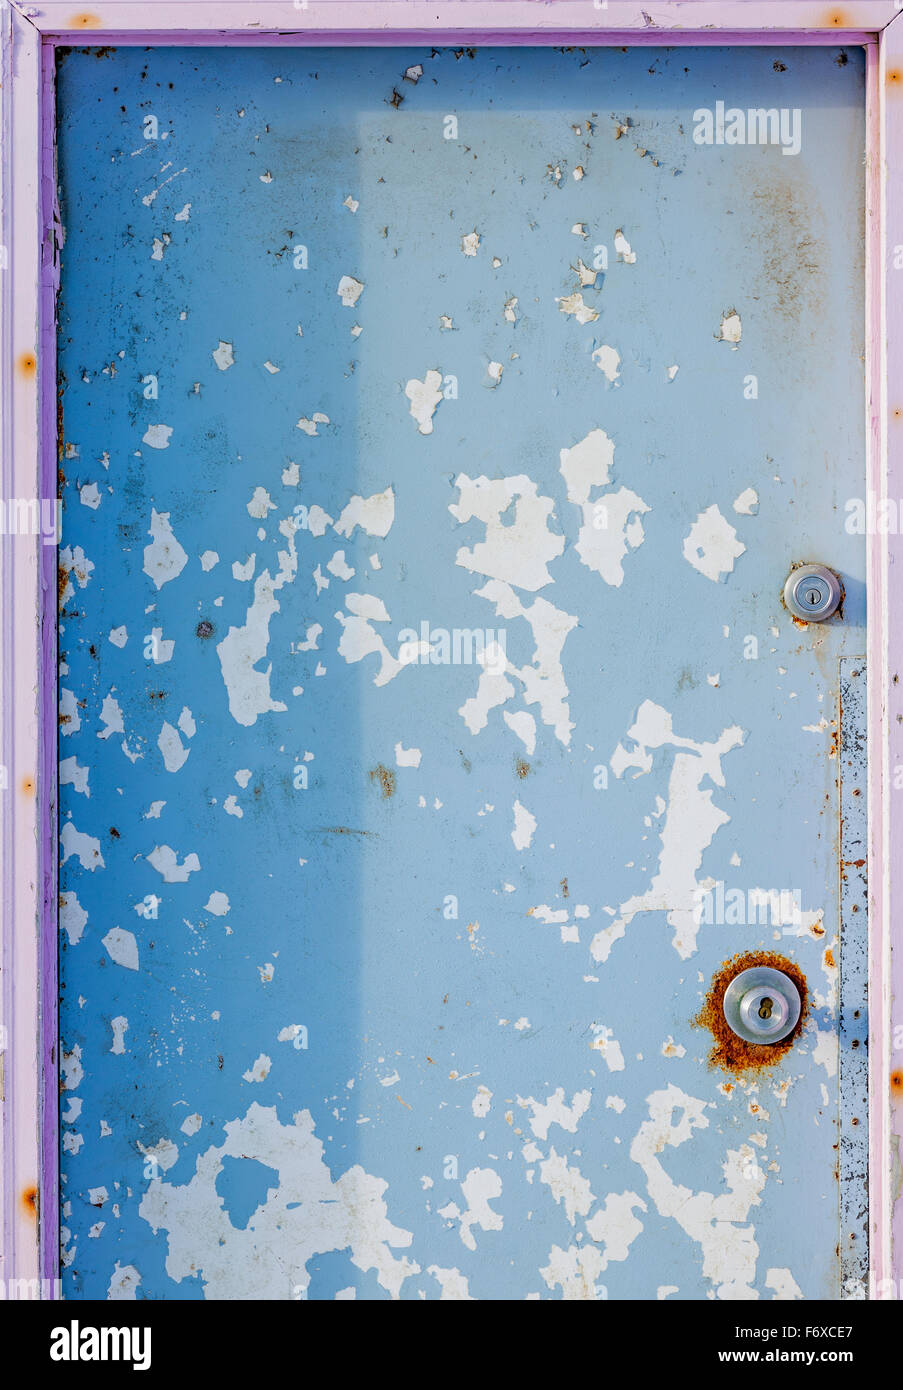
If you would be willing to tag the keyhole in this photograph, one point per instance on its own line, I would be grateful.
(814, 598)
(765, 1008)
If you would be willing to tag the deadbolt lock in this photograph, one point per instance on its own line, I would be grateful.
(762, 1005)
(812, 593)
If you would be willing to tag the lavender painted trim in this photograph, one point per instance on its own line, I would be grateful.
(49, 781)
(21, 911)
(398, 38)
(886, 713)
(464, 20)
(195, 13)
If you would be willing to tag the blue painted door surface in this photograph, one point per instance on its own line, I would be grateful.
(438, 429)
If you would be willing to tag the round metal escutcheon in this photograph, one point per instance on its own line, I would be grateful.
(762, 1005)
(812, 593)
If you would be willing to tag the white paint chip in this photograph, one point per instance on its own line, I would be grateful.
(164, 558)
(573, 304)
(375, 515)
(157, 436)
(170, 746)
(73, 917)
(524, 827)
(122, 948)
(166, 862)
(731, 329)
(712, 545)
(747, 504)
(259, 1070)
(407, 757)
(223, 355)
(424, 397)
(349, 290)
(608, 360)
(622, 247)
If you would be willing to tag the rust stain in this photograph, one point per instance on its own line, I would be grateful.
(386, 778)
(565, 890)
(60, 443)
(85, 20)
(521, 767)
(829, 959)
(836, 19)
(27, 364)
(894, 77)
(30, 1201)
(896, 1083)
(62, 579)
(729, 1052)
(789, 246)
(28, 786)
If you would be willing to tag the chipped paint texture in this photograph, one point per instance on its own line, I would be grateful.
(380, 965)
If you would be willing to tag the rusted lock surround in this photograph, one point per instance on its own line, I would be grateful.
(730, 1052)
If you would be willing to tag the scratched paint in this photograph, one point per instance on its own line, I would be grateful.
(436, 443)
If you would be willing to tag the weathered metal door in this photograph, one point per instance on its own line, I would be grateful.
(438, 430)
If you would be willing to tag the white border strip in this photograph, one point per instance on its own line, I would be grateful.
(20, 693)
(464, 16)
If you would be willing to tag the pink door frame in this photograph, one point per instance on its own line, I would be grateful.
(30, 33)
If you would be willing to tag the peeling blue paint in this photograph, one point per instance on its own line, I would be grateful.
(415, 928)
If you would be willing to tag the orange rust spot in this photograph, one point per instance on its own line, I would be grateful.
(386, 778)
(829, 959)
(896, 1083)
(62, 579)
(729, 1052)
(84, 21)
(894, 77)
(30, 1201)
(836, 19)
(59, 433)
(27, 364)
(521, 768)
(28, 786)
